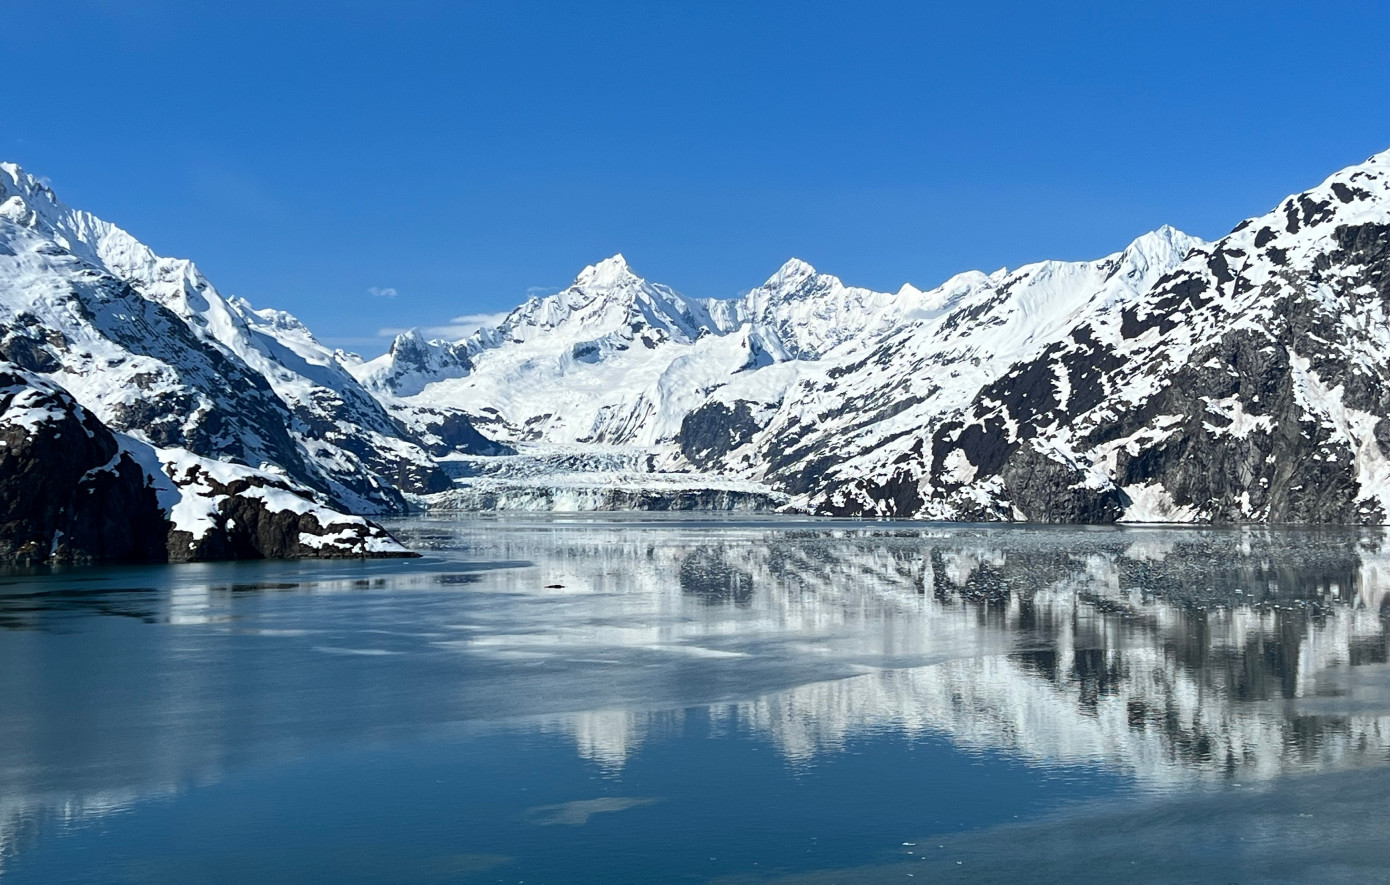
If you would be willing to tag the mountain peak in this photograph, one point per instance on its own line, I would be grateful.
(607, 273)
(1163, 239)
(37, 204)
(791, 274)
(16, 173)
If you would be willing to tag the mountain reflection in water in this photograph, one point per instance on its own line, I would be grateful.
(1173, 657)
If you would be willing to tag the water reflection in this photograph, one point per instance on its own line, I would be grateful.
(1172, 656)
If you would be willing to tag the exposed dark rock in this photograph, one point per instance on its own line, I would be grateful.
(70, 493)
(898, 494)
(447, 432)
(716, 429)
(1046, 489)
(67, 492)
(246, 527)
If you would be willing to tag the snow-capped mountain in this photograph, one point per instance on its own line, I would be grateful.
(616, 360)
(1248, 383)
(1174, 380)
(151, 347)
(840, 430)
(612, 359)
(754, 388)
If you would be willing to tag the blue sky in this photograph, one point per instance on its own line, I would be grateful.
(462, 154)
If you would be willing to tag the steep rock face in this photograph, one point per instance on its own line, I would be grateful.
(68, 493)
(74, 492)
(131, 361)
(190, 367)
(715, 429)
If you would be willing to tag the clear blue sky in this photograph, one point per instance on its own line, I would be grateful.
(463, 153)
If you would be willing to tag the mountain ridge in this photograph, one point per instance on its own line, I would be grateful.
(1116, 389)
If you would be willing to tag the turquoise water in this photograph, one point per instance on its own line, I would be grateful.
(630, 699)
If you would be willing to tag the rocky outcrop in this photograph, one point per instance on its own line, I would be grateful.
(68, 493)
(74, 492)
(715, 429)
(445, 432)
(226, 512)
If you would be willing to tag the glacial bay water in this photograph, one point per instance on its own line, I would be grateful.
(685, 699)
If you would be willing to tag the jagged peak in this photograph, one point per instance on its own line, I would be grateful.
(409, 338)
(1162, 240)
(35, 198)
(790, 275)
(29, 181)
(607, 273)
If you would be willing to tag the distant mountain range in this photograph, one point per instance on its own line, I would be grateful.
(1243, 380)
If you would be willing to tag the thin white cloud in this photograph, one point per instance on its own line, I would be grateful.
(462, 327)
(383, 291)
(456, 328)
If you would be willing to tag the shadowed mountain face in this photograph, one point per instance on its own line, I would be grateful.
(1170, 663)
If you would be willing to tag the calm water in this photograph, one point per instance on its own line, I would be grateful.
(636, 699)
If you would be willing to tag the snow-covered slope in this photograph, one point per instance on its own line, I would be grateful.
(151, 346)
(850, 420)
